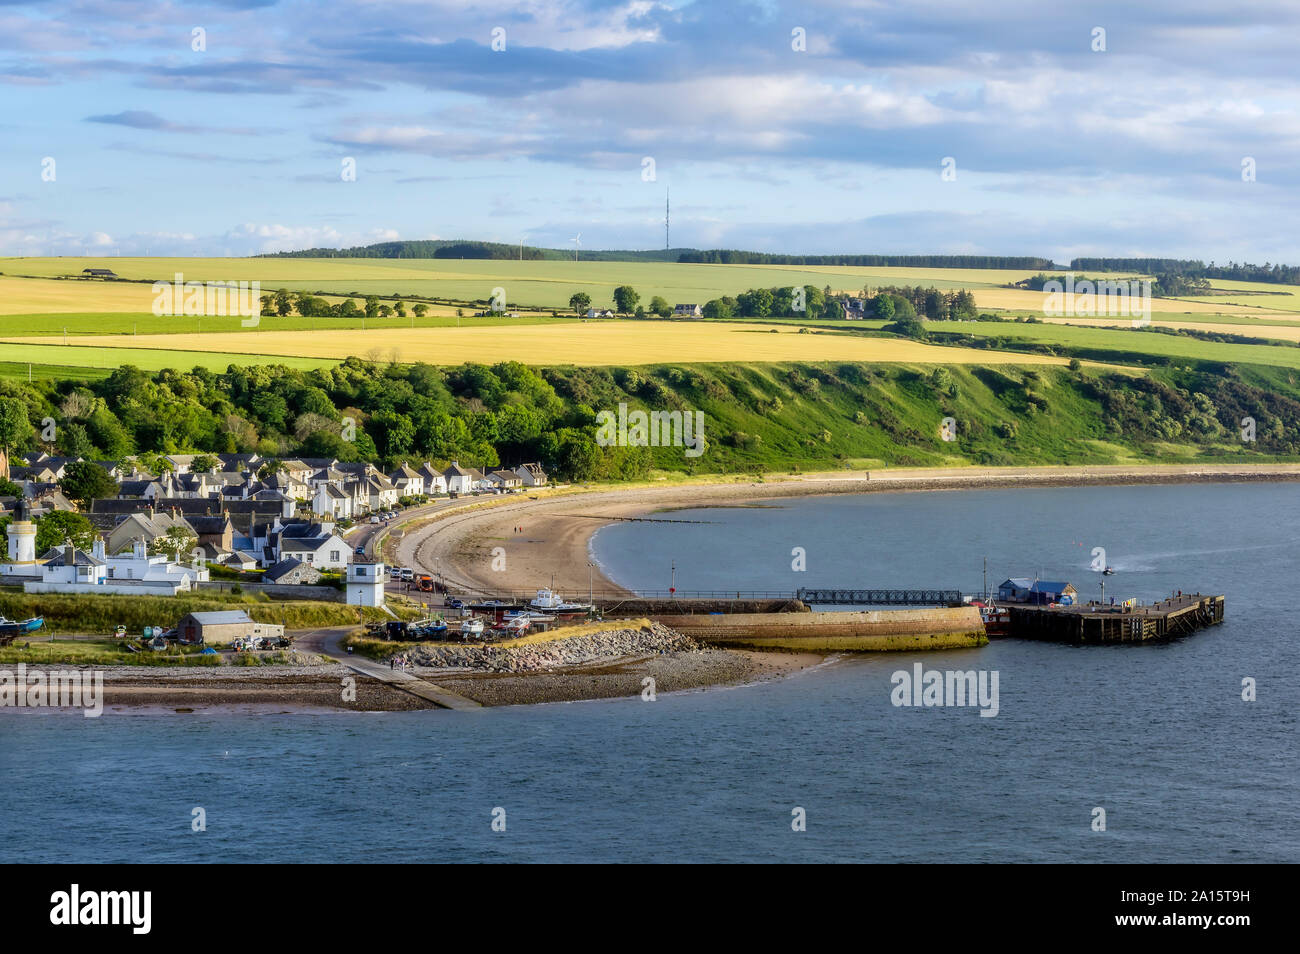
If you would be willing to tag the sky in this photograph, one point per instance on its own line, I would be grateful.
(1163, 128)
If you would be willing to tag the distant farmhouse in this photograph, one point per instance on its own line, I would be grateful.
(99, 273)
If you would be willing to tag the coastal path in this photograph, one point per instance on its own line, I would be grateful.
(329, 642)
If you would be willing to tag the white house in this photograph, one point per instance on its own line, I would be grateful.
(67, 564)
(435, 482)
(331, 502)
(532, 475)
(315, 543)
(687, 311)
(382, 493)
(459, 479)
(140, 566)
(408, 481)
(69, 570)
(504, 480)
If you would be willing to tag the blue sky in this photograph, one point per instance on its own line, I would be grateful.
(1059, 150)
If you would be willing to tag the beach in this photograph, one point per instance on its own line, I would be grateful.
(544, 536)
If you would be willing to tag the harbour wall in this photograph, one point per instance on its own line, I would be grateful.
(907, 630)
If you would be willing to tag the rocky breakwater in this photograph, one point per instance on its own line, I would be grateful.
(603, 646)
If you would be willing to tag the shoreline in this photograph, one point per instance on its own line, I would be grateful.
(558, 527)
(549, 534)
(297, 690)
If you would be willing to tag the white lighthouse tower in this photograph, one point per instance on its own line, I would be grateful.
(365, 584)
(22, 536)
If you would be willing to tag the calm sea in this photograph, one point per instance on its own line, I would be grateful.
(1158, 736)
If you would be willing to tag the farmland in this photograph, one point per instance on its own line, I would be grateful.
(542, 284)
(61, 324)
(594, 344)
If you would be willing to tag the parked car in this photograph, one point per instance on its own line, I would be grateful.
(360, 551)
(407, 573)
(395, 572)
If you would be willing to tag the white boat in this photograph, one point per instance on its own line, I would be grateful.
(472, 627)
(548, 602)
(518, 625)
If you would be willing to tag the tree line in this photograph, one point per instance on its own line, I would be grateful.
(1194, 268)
(727, 256)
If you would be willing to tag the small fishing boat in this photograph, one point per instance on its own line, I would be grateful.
(1109, 571)
(547, 601)
(9, 627)
(518, 625)
(471, 627)
(437, 629)
(996, 619)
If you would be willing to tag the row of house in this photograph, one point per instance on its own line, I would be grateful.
(332, 488)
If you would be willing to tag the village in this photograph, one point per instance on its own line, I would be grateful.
(238, 524)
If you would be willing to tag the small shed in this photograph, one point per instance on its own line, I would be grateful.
(224, 626)
(1015, 590)
(1049, 591)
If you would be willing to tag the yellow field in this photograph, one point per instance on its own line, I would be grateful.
(29, 296)
(1022, 299)
(580, 343)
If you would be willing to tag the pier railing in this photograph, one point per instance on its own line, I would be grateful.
(894, 597)
(842, 596)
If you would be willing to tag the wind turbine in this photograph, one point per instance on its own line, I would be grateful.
(577, 244)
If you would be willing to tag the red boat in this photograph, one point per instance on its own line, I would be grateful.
(997, 619)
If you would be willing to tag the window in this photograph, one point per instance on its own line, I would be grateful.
(334, 556)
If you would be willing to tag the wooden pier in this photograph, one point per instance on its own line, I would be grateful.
(1090, 623)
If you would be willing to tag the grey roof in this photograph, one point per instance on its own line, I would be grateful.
(284, 568)
(59, 557)
(220, 617)
(304, 543)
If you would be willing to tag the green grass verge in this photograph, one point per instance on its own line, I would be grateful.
(87, 614)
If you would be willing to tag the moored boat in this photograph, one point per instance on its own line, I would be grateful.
(547, 601)
(996, 619)
(9, 627)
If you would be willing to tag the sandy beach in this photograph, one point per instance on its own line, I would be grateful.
(544, 535)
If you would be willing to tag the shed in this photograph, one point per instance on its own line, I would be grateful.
(222, 627)
(1048, 591)
(1015, 590)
